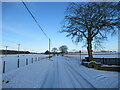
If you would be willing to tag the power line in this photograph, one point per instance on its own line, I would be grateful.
(37, 23)
(34, 19)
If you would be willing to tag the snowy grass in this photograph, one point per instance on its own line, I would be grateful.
(12, 60)
(58, 72)
(95, 55)
(98, 78)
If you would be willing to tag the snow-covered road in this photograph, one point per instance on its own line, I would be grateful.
(59, 72)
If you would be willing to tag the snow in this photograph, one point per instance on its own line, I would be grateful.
(111, 65)
(91, 62)
(95, 55)
(95, 62)
(12, 60)
(59, 72)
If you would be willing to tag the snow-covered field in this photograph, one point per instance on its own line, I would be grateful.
(95, 55)
(58, 72)
(12, 60)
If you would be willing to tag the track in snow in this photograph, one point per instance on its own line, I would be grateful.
(72, 77)
(78, 79)
(59, 73)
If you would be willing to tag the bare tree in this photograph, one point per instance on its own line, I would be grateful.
(54, 50)
(63, 49)
(91, 22)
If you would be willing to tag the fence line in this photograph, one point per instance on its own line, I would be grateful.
(108, 61)
(18, 62)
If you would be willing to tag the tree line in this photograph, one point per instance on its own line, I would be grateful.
(13, 52)
(63, 49)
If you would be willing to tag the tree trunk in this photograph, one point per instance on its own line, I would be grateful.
(89, 49)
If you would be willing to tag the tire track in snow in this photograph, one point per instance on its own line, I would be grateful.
(83, 85)
(70, 77)
(75, 81)
(72, 70)
(48, 78)
(64, 79)
(58, 74)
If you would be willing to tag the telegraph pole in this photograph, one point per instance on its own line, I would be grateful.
(6, 50)
(49, 48)
(18, 49)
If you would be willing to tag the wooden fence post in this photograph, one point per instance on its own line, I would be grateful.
(32, 60)
(4, 67)
(36, 59)
(26, 61)
(18, 63)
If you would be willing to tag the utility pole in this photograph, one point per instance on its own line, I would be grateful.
(6, 50)
(18, 49)
(49, 48)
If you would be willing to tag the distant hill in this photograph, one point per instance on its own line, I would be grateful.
(13, 52)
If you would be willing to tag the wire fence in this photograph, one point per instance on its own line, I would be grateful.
(13, 62)
(108, 61)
